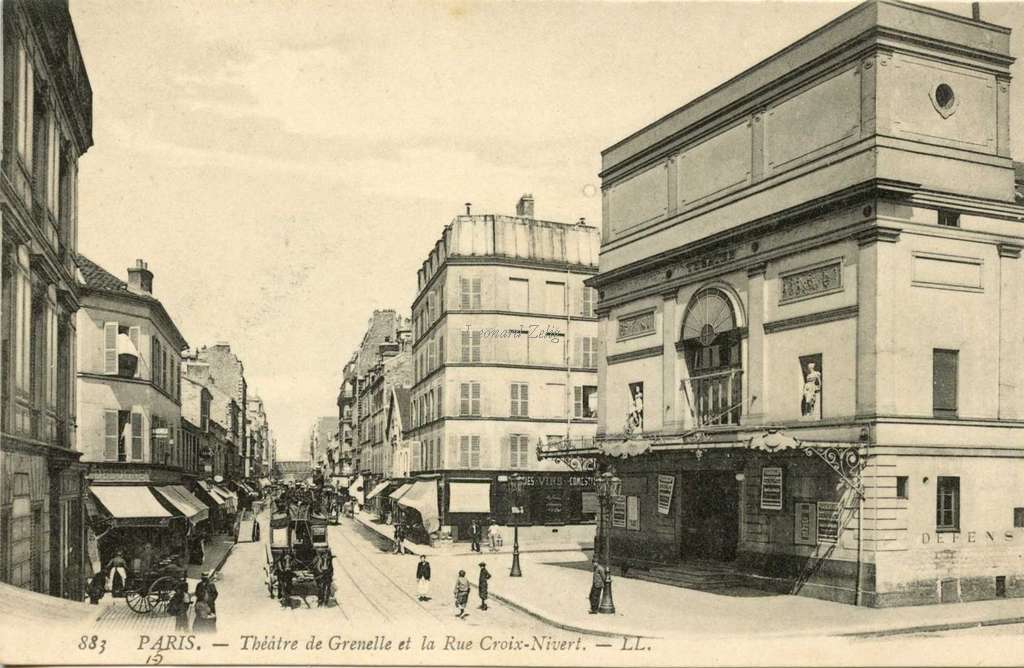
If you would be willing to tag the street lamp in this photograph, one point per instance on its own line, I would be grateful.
(608, 487)
(515, 484)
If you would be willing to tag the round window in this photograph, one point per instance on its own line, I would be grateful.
(944, 96)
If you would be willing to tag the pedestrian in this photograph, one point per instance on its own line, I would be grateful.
(117, 568)
(482, 585)
(492, 536)
(423, 578)
(97, 586)
(596, 586)
(461, 594)
(178, 606)
(206, 618)
(474, 536)
(207, 588)
(398, 537)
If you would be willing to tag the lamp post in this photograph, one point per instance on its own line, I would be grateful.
(608, 487)
(516, 483)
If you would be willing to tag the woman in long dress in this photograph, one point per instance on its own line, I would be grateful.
(206, 620)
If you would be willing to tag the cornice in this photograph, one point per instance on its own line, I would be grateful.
(643, 353)
(811, 319)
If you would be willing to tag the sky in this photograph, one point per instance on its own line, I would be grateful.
(285, 166)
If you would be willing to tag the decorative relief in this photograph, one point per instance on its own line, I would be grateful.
(813, 282)
(640, 324)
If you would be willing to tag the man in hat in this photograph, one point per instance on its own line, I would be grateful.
(482, 585)
(597, 584)
(209, 590)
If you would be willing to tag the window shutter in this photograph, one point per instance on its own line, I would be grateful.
(137, 437)
(476, 293)
(514, 408)
(464, 302)
(464, 451)
(475, 398)
(110, 436)
(155, 353)
(476, 346)
(110, 348)
(465, 345)
(524, 400)
(464, 399)
(475, 452)
(577, 398)
(134, 334)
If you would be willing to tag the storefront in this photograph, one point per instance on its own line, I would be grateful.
(378, 500)
(196, 512)
(140, 523)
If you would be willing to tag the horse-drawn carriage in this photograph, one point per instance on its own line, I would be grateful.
(298, 555)
(152, 590)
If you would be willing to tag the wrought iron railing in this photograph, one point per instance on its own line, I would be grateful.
(716, 398)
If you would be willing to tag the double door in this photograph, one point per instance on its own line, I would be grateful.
(709, 515)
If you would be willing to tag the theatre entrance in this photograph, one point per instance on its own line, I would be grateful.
(710, 515)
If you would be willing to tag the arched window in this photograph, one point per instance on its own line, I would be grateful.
(710, 336)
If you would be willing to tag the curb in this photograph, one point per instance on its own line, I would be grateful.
(933, 628)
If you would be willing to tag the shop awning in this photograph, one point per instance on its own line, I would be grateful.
(422, 497)
(397, 494)
(378, 489)
(131, 505)
(214, 496)
(230, 498)
(355, 490)
(182, 499)
(469, 497)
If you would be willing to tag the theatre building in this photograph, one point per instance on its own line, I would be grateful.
(811, 292)
(504, 357)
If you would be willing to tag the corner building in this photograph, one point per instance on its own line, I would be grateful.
(811, 278)
(504, 357)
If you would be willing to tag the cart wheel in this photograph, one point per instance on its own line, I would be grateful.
(137, 601)
(161, 591)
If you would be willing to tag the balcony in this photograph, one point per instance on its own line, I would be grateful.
(715, 398)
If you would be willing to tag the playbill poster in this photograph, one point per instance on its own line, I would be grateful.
(581, 414)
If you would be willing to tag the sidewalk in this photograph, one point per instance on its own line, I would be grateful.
(456, 549)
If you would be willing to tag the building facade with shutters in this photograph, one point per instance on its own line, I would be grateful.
(47, 126)
(810, 297)
(504, 357)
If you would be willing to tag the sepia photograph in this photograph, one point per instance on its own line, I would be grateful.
(511, 333)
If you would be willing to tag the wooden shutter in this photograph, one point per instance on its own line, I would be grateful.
(474, 398)
(577, 397)
(474, 453)
(464, 301)
(475, 295)
(514, 400)
(137, 437)
(464, 399)
(464, 451)
(110, 436)
(466, 354)
(155, 354)
(134, 334)
(110, 348)
(476, 346)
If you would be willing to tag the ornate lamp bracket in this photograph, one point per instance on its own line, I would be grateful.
(846, 462)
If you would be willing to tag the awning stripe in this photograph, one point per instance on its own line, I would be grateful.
(378, 489)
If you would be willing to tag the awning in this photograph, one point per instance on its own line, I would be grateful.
(230, 498)
(212, 494)
(191, 507)
(469, 497)
(422, 497)
(355, 490)
(378, 489)
(131, 505)
(397, 494)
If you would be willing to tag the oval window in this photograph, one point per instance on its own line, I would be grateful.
(944, 96)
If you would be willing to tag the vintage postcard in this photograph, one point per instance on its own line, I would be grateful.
(466, 333)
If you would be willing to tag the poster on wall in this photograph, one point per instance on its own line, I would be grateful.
(828, 521)
(771, 488)
(805, 529)
(633, 513)
(590, 503)
(810, 387)
(635, 418)
(666, 484)
(619, 512)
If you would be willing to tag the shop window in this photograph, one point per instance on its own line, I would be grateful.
(945, 369)
(947, 504)
(901, 487)
(520, 395)
(949, 218)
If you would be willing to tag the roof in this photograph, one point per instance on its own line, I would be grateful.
(403, 397)
(98, 279)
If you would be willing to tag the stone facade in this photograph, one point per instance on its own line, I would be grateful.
(228, 374)
(828, 393)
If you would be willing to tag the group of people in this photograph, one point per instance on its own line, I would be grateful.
(493, 536)
(205, 601)
(322, 568)
(461, 586)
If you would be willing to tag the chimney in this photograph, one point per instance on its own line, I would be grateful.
(140, 278)
(976, 11)
(524, 207)
(469, 206)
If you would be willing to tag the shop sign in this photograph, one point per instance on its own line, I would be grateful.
(666, 484)
(828, 521)
(633, 513)
(805, 530)
(771, 488)
(557, 481)
(619, 512)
